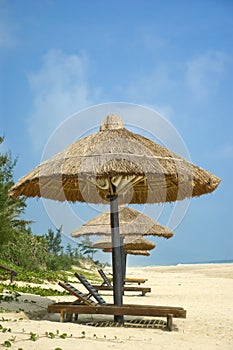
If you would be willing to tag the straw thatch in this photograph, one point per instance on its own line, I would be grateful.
(132, 252)
(129, 243)
(131, 222)
(140, 170)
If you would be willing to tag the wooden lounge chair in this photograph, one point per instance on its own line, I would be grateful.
(127, 279)
(88, 306)
(106, 285)
(106, 280)
(12, 272)
(83, 298)
(95, 288)
(135, 280)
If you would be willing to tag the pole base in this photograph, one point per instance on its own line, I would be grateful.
(119, 319)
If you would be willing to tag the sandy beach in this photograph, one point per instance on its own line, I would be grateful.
(205, 291)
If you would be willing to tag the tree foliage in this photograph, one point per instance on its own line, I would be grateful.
(54, 241)
(27, 251)
(86, 248)
(17, 243)
(10, 209)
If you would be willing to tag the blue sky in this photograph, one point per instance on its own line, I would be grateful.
(175, 57)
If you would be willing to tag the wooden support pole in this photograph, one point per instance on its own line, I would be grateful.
(116, 256)
(169, 322)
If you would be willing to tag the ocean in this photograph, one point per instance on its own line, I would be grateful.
(229, 261)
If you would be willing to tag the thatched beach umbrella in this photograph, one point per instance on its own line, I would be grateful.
(131, 222)
(126, 253)
(132, 252)
(115, 161)
(133, 225)
(131, 245)
(112, 163)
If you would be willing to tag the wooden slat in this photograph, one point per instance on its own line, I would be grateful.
(76, 293)
(126, 288)
(91, 289)
(135, 280)
(13, 272)
(105, 278)
(131, 309)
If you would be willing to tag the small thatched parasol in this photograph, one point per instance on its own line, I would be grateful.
(129, 243)
(133, 225)
(131, 252)
(115, 162)
(131, 222)
(132, 245)
(127, 252)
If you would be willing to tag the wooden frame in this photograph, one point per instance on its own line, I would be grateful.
(12, 272)
(84, 305)
(67, 310)
(106, 285)
(135, 280)
(126, 280)
(143, 290)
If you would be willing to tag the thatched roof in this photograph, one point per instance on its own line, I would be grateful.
(140, 170)
(129, 243)
(131, 222)
(128, 251)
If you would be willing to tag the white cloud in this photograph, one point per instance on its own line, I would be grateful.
(6, 39)
(149, 87)
(204, 73)
(60, 88)
(201, 76)
(6, 28)
(226, 152)
(153, 42)
(3, 36)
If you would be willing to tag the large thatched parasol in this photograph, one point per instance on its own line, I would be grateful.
(115, 162)
(131, 222)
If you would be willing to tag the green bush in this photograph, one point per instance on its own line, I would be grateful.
(27, 251)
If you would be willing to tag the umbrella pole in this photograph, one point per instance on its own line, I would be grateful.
(116, 256)
(125, 261)
(123, 264)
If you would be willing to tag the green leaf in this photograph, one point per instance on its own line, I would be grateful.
(63, 335)
(7, 343)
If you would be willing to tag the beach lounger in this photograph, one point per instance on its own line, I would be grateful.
(12, 272)
(86, 284)
(106, 285)
(135, 280)
(106, 280)
(127, 279)
(88, 306)
(82, 298)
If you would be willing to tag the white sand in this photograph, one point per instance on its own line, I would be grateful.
(205, 291)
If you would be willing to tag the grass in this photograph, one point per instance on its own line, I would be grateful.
(30, 290)
(31, 336)
(11, 292)
(41, 277)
